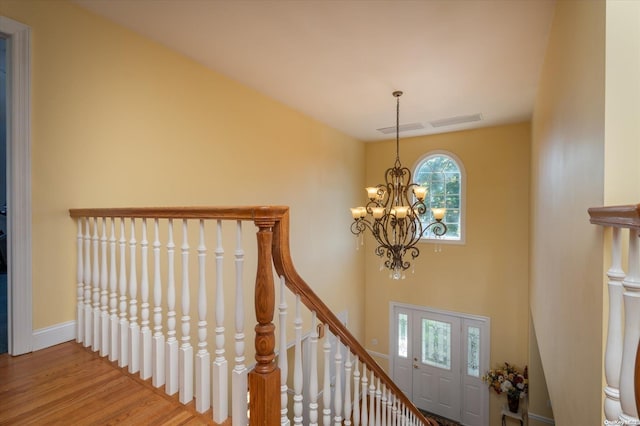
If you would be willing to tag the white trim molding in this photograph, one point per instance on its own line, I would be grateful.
(54, 335)
(19, 184)
(541, 419)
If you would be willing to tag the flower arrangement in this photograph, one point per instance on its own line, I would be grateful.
(508, 379)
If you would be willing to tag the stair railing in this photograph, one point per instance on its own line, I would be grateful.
(285, 268)
(622, 365)
(121, 297)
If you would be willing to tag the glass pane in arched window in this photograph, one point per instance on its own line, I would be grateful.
(441, 175)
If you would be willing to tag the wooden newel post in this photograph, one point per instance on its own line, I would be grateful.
(264, 380)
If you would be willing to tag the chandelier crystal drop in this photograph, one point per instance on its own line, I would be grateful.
(393, 212)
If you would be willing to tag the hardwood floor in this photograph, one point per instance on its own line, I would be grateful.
(70, 385)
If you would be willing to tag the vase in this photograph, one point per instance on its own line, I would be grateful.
(514, 402)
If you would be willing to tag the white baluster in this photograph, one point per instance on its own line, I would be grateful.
(123, 359)
(80, 286)
(220, 368)
(364, 415)
(372, 400)
(95, 280)
(283, 364)
(631, 285)
(347, 390)
(114, 345)
(356, 394)
(326, 390)
(88, 311)
(313, 377)
(337, 393)
(203, 358)
(171, 353)
(158, 356)
(383, 406)
(297, 367)
(134, 327)
(146, 367)
(389, 407)
(378, 404)
(104, 299)
(613, 353)
(394, 412)
(239, 382)
(186, 350)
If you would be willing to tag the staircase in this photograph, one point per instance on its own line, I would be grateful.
(129, 308)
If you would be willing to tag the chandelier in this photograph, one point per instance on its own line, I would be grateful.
(393, 213)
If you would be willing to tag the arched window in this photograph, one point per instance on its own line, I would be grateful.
(442, 174)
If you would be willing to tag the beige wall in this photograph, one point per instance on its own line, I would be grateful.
(566, 179)
(539, 401)
(119, 120)
(488, 275)
(622, 127)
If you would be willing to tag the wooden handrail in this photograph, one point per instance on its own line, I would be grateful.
(627, 216)
(222, 213)
(284, 266)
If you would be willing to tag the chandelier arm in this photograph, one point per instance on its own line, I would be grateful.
(358, 226)
(383, 224)
(416, 232)
(438, 228)
(419, 207)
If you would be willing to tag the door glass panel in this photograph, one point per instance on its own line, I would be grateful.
(473, 351)
(403, 335)
(436, 343)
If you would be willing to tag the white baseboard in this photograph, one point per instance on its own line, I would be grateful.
(54, 335)
(541, 419)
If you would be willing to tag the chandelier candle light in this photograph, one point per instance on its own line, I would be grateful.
(393, 213)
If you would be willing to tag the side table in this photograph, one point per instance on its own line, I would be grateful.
(508, 414)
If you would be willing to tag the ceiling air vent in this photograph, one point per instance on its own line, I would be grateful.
(461, 119)
(403, 128)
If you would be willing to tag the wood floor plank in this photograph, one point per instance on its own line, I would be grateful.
(71, 385)
(56, 388)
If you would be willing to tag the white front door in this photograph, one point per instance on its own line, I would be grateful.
(436, 364)
(437, 361)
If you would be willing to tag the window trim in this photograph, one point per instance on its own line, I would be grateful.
(463, 195)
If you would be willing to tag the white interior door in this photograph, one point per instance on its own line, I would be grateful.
(437, 360)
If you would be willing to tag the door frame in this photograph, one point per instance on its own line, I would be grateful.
(20, 318)
(484, 347)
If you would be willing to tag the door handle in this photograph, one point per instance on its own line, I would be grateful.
(415, 366)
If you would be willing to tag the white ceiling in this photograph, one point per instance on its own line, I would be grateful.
(339, 60)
